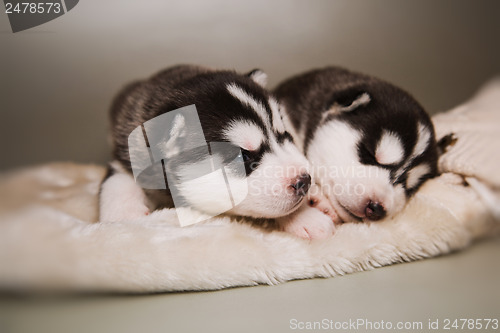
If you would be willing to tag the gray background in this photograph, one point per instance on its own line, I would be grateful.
(57, 80)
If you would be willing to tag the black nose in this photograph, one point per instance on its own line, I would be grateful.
(302, 184)
(374, 211)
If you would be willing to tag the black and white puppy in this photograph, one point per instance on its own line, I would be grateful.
(370, 144)
(233, 109)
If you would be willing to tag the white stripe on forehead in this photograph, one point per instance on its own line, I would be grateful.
(389, 149)
(245, 134)
(278, 125)
(241, 95)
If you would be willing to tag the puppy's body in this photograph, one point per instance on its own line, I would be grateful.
(233, 109)
(370, 144)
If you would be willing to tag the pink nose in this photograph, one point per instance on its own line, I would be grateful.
(302, 184)
(374, 211)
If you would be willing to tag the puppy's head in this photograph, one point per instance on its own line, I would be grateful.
(375, 147)
(265, 174)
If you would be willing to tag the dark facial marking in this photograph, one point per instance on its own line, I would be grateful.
(282, 137)
(252, 159)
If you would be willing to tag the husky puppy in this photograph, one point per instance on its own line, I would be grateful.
(232, 108)
(370, 144)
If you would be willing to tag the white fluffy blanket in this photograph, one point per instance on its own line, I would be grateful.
(49, 238)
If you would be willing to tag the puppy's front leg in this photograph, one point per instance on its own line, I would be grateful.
(308, 223)
(317, 200)
(315, 219)
(121, 198)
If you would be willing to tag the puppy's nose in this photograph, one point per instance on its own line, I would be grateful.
(374, 211)
(302, 184)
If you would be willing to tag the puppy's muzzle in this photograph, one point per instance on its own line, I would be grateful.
(302, 184)
(374, 211)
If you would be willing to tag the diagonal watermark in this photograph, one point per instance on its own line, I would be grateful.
(170, 152)
(26, 14)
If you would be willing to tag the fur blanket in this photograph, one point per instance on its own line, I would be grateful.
(49, 238)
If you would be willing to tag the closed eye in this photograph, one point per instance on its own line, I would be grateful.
(366, 155)
(252, 158)
(249, 156)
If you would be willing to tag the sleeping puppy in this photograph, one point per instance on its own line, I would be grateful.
(370, 144)
(234, 111)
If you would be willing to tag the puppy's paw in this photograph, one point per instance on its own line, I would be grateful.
(308, 223)
(121, 199)
(321, 203)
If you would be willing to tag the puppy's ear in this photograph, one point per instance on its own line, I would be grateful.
(258, 77)
(348, 100)
(446, 142)
(345, 101)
